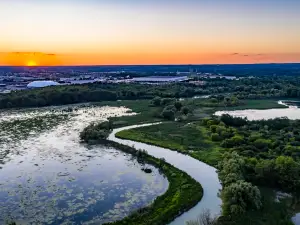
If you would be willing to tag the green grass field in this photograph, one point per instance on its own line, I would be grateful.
(191, 139)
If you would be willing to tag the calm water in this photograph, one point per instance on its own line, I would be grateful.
(293, 112)
(201, 172)
(48, 177)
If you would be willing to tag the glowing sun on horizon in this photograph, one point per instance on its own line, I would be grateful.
(31, 63)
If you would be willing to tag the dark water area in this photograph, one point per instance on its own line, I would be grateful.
(48, 177)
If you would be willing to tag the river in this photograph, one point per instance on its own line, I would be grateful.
(201, 172)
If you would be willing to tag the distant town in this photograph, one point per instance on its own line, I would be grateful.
(26, 78)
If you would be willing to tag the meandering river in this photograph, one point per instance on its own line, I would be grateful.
(201, 172)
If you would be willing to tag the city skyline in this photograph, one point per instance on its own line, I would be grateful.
(148, 32)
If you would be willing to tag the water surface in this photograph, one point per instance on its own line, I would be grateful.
(293, 112)
(48, 177)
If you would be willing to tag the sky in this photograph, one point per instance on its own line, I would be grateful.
(108, 32)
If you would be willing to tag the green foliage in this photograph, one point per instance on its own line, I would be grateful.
(167, 101)
(185, 110)
(97, 92)
(271, 213)
(96, 132)
(156, 101)
(168, 113)
(238, 196)
(178, 105)
(190, 139)
(261, 143)
(215, 137)
(233, 121)
(233, 141)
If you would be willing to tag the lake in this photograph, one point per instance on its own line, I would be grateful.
(292, 112)
(48, 177)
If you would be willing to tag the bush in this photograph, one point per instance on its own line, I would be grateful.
(94, 131)
(185, 110)
(239, 197)
(178, 105)
(155, 101)
(166, 101)
(216, 137)
(234, 141)
(261, 143)
(168, 113)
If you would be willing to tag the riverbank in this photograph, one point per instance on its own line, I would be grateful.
(196, 139)
(183, 192)
(190, 139)
(201, 172)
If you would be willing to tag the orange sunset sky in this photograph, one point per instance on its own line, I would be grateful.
(103, 32)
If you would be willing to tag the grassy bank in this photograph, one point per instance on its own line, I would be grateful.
(259, 104)
(192, 139)
(183, 192)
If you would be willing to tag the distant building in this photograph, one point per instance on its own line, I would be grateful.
(41, 84)
(160, 79)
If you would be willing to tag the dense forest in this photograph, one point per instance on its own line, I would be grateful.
(265, 153)
(244, 88)
(271, 149)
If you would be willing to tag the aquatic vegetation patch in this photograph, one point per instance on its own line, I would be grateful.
(59, 180)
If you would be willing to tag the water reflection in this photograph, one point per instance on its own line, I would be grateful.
(48, 177)
(293, 112)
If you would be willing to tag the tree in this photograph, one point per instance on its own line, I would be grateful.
(215, 137)
(185, 110)
(233, 141)
(233, 121)
(178, 105)
(168, 113)
(261, 143)
(213, 128)
(156, 101)
(231, 163)
(94, 131)
(166, 101)
(239, 197)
